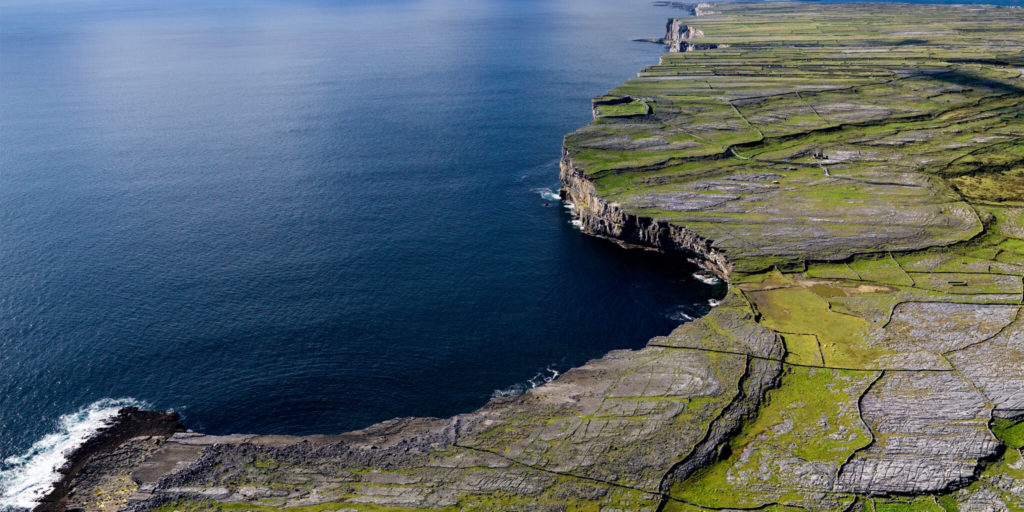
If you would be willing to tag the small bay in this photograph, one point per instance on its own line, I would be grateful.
(306, 217)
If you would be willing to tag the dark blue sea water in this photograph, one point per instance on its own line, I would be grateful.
(303, 217)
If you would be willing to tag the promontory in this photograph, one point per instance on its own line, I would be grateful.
(856, 173)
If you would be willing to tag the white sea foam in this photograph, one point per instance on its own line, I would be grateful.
(548, 194)
(26, 478)
(714, 303)
(706, 278)
(576, 223)
(548, 375)
(680, 316)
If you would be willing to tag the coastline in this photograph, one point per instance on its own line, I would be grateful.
(607, 220)
(146, 428)
(167, 447)
(682, 430)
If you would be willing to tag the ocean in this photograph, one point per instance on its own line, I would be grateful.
(302, 217)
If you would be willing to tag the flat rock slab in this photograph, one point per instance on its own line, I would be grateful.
(922, 333)
(792, 452)
(609, 432)
(930, 434)
(996, 367)
(650, 413)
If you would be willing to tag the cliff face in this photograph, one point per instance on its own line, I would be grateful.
(678, 36)
(601, 218)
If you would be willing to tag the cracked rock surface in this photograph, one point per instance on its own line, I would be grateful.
(856, 172)
(929, 428)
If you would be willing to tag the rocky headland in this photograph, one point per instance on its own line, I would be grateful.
(856, 173)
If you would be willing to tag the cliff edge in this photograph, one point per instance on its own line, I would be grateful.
(858, 180)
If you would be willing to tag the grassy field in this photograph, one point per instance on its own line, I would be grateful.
(862, 166)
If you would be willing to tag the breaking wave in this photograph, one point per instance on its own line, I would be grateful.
(27, 478)
(548, 194)
(684, 312)
(543, 377)
(706, 278)
(680, 315)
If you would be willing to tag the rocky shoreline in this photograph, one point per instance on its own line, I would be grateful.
(100, 453)
(838, 173)
(600, 218)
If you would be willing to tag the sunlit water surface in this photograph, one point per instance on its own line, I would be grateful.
(302, 217)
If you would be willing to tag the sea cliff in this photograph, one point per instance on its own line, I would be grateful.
(598, 217)
(855, 172)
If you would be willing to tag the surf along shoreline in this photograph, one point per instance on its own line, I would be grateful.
(907, 327)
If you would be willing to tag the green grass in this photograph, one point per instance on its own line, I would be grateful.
(802, 311)
(917, 504)
(212, 506)
(880, 270)
(633, 108)
(802, 349)
(1009, 431)
(811, 418)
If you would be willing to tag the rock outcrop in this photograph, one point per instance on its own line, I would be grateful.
(100, 463)
(678, 36)
(614, 433)
(600, 218)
